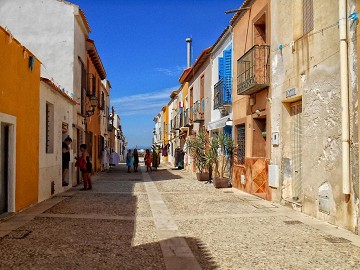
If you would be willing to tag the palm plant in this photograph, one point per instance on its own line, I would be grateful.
(220, 147)
(197, 149)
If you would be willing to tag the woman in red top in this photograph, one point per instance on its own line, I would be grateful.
(148, 160)
(81, 163)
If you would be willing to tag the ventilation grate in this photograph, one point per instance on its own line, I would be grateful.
(333, 239)
(19, 234)
(292, 222)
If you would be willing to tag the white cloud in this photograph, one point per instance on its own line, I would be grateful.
(143, 104)
(172, 71)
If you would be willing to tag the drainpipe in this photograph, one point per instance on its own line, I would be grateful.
(345, 123)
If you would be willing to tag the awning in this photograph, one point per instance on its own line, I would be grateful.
(220, 123)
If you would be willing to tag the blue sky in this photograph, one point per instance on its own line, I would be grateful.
(142, 46)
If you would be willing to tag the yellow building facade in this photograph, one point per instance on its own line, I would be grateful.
(19, 121)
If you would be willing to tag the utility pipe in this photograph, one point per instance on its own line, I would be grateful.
(345, 122)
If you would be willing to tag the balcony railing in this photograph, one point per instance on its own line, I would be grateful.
(198, 111)
(222, 93)
(91, 85)
(253, 70)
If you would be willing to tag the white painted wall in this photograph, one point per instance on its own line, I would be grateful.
(50, 164)
(225, 43)
(47, 29)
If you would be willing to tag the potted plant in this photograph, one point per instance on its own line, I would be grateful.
(196, 146)
(221, 147)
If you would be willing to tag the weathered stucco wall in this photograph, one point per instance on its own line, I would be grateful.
(311, 68)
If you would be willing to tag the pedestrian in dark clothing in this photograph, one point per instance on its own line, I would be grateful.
(136, 160)
(89, 170)
(65, 159)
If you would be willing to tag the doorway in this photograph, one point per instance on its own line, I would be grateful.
(4, 168)
(296, 134)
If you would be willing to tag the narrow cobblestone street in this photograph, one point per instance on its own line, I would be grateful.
(167, 220)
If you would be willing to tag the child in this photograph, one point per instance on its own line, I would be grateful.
(89, 170)
(148, 160)
(129, 160)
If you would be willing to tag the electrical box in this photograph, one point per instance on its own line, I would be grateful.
(275, 138)
(242, 177)
(273, 176)
(324, 204)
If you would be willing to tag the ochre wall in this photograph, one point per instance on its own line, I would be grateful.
(20, 97)
(93, 122)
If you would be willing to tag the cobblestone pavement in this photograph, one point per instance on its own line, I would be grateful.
(168, 220)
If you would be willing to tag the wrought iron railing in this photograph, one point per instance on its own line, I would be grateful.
(198, 111)
(253, 70)
(222, 92)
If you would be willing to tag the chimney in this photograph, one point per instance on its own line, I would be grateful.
(188, 41)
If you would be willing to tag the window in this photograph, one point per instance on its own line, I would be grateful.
(101, 103)
(308, 16)
(49, 128)
(83, 88)
(241, 144)
(202, 86)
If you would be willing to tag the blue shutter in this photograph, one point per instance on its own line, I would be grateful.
(221, 68)
(227, 75)
(227, 64)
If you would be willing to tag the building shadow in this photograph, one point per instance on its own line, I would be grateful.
(110, 227)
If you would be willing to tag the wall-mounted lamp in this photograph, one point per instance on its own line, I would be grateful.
(93, 103)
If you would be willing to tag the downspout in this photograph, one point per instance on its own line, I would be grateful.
(345, 121)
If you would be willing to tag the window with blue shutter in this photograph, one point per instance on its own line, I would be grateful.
(227, 75)
(221, 68)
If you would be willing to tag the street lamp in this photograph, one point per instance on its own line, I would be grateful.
(93, 104)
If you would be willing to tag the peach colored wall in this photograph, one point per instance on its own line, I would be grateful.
(243, 40)
(20, 97)
(93, 122)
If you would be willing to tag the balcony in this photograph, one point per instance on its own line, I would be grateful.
(198, 111)
(222, 93)
(91, 85)
(175, 123)
(253, 70)
(187, 117)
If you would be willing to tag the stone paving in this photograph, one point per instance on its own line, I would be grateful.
(166, 219)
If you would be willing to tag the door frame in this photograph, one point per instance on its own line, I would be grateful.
(10, 121)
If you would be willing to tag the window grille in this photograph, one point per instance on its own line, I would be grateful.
(49, 128)
(241, 144)
(308, 16)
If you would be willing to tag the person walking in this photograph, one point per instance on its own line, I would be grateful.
(136, 160)
(65, 159)
(129, 160)
(148, 160)
(81, 163)
(89, 169)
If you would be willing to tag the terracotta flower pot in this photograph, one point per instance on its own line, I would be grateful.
(221, 182)
(202, 176)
